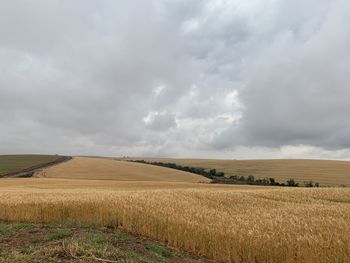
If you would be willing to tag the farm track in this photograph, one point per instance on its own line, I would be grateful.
(30, 171)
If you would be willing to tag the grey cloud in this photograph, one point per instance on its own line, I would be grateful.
(296, 89)
(93, 74)
(160, 121)
(300, 95)
(79, 77)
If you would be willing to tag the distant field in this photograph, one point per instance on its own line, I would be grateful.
(332, 173)
(221, 222)
(14, 163)
(106, 169)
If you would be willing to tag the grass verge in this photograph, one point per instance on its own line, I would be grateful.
(23, 242)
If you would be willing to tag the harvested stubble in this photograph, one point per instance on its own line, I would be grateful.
(225, 223)
(326, 172)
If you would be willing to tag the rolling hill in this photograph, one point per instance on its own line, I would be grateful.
(107, 169)
(326, 172)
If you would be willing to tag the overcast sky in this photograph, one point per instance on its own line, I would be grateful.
(180, 78)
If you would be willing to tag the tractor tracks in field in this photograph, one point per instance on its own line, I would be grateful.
(30, 171)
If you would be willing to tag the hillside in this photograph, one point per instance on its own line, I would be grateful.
(107, 169)
(326, 172)
(16, 163)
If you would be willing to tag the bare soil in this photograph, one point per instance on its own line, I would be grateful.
(24, 242)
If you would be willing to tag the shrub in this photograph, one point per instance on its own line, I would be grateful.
(251, 179)
(292, 183)
(308, 184)
(212, 172)
(220, 174)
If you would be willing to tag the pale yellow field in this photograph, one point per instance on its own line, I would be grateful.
(225, 223)
(332, 173)
(106, 169)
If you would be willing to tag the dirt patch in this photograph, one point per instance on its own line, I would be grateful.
(21, 242)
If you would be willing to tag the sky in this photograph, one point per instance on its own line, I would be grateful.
(230, 79)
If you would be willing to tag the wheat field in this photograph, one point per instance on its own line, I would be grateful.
(326, 172)
(106, 169)
(223, 223)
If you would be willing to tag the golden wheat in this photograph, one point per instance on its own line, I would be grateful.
(106, 169)
(225, 223)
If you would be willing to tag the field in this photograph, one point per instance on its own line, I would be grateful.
(14, 163)
(220, 222)
(106, 169)
(327, 173)
(224, 223)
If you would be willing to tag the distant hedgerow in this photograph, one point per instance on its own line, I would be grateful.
(219, 177)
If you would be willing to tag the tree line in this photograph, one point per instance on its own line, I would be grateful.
(219, 177)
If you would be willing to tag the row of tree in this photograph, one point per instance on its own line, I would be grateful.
(196, 170)
(250, 179)
(219, 177)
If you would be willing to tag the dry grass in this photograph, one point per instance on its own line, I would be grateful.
(225, 223)
(332, 173)
(105, 169)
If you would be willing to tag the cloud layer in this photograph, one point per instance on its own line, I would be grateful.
(225, 79)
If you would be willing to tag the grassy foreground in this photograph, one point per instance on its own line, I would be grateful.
(30, 243)
(15, 163)
(223, 223)
(326, 172)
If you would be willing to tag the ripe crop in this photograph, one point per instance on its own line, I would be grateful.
(106, 169)
(224, 223)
